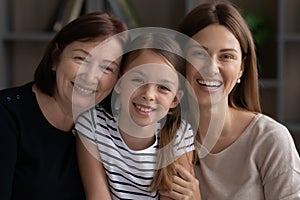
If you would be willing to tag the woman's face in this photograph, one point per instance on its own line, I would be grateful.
(86, 72)
(148, 88)
(213, 81)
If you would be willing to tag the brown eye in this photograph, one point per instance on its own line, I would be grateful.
(81, 60)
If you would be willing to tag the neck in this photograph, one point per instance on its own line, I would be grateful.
(137, 143)
(212, 121)
(54, 111)
(136, 137)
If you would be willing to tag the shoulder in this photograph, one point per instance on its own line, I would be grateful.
(275, 152)
(18, 98)
(184, 140)
(270, 129)
(95, 118)
(15, 93)
(266, 122)
(273, 145)
(185, 130)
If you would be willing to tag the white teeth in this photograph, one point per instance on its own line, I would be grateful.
(84, 90)
(210, 83)
(143, 109)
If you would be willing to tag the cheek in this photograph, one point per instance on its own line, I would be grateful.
(66, 70)
(107, 83)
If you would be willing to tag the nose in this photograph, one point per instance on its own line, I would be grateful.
(149, 92)
(211, 68)
(90, 74)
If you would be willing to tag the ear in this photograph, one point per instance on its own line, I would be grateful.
(117, 87)
(177, 99)
(54, 63)
(242, 67)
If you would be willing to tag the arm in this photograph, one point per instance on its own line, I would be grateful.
(91, 170)
(8, 152)
(279, 164)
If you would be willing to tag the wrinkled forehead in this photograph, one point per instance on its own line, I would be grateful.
(111, 48)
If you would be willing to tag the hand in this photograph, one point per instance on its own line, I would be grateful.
(185, 186)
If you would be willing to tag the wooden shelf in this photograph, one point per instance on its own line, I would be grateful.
(29, 36)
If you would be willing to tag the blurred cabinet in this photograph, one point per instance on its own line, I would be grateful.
(289, 65)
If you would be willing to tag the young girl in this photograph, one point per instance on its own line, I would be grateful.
(138, 149)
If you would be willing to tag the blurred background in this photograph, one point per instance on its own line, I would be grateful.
(26, 26)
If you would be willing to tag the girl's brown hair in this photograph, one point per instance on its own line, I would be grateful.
(245, 95)
(163, 45)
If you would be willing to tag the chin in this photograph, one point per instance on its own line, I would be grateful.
(82, 105)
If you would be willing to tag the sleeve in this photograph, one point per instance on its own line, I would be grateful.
(280, 166)
(86, 125)
(184, 141)
(8, 152)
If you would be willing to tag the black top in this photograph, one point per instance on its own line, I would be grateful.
(38, 161)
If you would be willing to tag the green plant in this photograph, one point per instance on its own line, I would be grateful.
(258, 26)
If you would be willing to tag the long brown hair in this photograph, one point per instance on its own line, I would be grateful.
(168, 48)
(244, 95)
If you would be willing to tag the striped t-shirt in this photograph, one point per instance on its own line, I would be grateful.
(129, 172)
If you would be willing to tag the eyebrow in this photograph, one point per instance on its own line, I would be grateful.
(229, 49)
(207, 50)
(90, 55)
(82, 50)
(166, 81)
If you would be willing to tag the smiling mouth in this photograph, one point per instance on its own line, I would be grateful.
(210, 84)
(84, 90)
(142, 108)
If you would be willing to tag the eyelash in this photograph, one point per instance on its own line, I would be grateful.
(227, 57)
(104, 68)
(137, 80)
(81, 59)
(165, 88)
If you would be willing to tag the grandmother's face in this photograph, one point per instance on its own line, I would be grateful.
(87, 72)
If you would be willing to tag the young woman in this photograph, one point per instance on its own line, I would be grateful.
(253, 157)
(37, 144)
(138, 147)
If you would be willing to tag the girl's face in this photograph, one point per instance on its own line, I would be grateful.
(214, 80)
(87, 72)
(148, 88)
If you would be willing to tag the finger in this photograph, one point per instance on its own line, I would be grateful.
(181, 187)
(185, 174)
(192, 191)
(177, 180)
(176, 195)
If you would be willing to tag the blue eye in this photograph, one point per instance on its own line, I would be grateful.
(164, 88)
(137, 80)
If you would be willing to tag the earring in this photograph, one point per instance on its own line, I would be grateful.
(238, 81)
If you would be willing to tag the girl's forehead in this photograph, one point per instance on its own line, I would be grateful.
(153, 73)
(146, 56)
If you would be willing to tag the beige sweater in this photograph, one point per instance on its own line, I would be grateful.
(262, 164)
